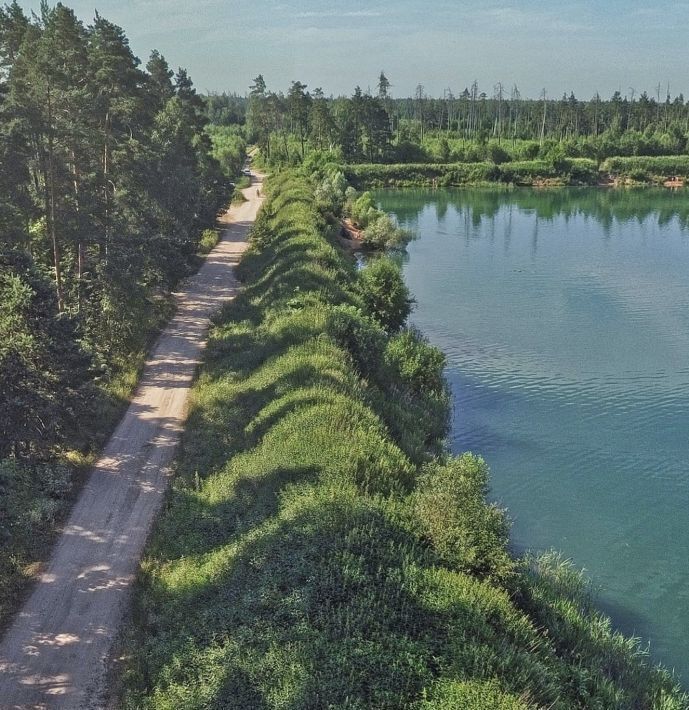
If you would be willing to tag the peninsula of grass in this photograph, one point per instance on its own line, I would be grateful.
(321, 549)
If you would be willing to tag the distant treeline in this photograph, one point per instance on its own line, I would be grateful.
(106, 183)
(473, 126)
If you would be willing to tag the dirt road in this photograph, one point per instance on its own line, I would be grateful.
(54, 654)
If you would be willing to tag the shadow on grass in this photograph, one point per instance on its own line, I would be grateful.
(318, 591)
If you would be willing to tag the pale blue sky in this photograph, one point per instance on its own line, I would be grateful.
(582, 45)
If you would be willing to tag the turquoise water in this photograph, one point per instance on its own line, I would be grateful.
(565, 319)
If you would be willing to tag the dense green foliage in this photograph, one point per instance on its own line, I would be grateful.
(595, 128)
(337, 199)
(472, 128)
(320, 549)
(41, 363)
(648, 169)
(106, 183)
(228, 148)
(408, 174)
(384, 296)
(225, 109)
(564, 171)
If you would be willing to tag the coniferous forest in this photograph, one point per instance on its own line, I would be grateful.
(107, 180)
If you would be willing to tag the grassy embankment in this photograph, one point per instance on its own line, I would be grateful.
(568, 171)
(647, 170)
(319, 549)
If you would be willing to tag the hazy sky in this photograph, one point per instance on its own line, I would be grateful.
(581, 45)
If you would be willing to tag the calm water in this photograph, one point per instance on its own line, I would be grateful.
(565, 319)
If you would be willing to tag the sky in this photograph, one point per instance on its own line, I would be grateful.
(582, 46)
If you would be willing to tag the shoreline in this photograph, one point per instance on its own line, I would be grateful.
(535, 174)
(608, 604)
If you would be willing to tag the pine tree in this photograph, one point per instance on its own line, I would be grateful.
(159, 87)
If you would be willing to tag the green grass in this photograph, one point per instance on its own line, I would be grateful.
(320, 549)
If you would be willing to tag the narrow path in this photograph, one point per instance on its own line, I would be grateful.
(54, 653)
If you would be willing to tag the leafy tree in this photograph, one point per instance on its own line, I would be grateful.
(298, 103)
(228, 148)
(13, 27)
(321, 124)
(258, 118)
(16, 206)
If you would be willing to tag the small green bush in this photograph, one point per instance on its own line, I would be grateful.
(497, 154)
(208, 241)
(362, 207)
(359, 335)
(382, 233)
(467, 534)
(416, 363)
(330, 192)
(385, 295)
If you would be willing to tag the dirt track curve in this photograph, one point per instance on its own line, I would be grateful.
(54, 654)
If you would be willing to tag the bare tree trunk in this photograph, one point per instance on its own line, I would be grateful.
(106, 187)
(50, 211)
(80, 246)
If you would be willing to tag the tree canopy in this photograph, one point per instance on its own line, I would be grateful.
(106, 183)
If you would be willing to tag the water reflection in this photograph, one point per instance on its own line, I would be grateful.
(473, 208)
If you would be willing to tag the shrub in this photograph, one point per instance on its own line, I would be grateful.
(416, 363)
(359, 335)
(497, 154)
(361, 208)
(468, 534)
(208, 241)
(330, 192)
(382, 232)
(385, 295)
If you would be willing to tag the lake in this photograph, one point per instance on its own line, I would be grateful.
(564, 315)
